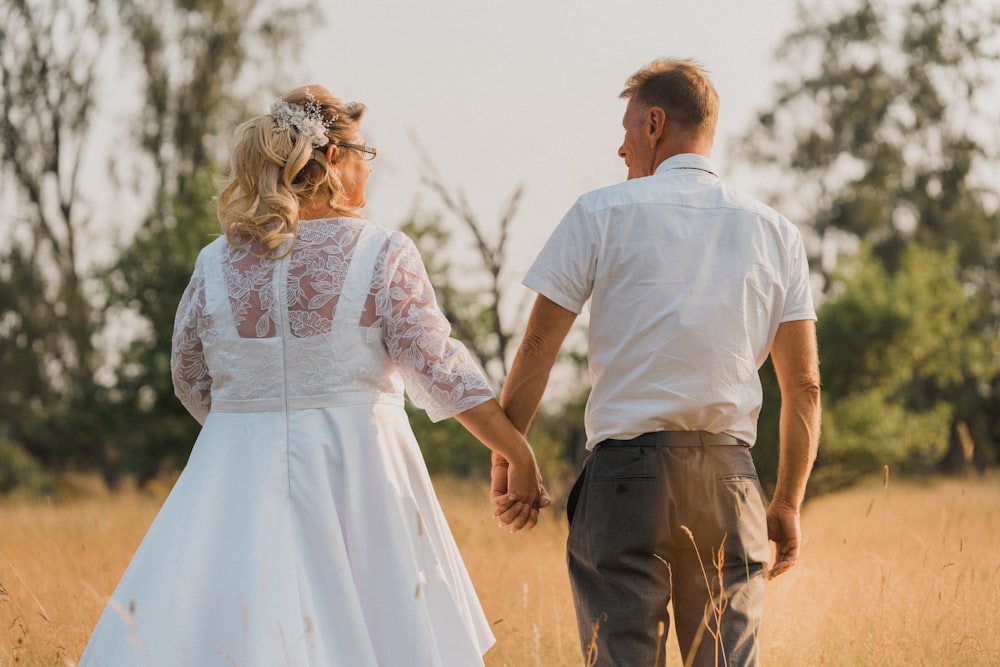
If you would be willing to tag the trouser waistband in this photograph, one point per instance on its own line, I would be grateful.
(674, 439)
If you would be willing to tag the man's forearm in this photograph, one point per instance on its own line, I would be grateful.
(799, 441)
(529, 373)
(796, 363)
(523, 389)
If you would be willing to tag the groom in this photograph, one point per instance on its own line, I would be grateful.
(691, 286)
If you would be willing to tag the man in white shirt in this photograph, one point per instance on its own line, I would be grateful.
(691, 287)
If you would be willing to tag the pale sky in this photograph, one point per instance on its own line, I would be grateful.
(501, 94)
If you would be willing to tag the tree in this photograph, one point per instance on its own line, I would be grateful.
(27, 390)
(897, 402)
(880, 133)
(148, 280)
(879, 125)
(48, 319)
(195, 54)
(197, 57)
(476, 314)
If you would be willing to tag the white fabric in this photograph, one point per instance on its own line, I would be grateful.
(304, 529)
(688, 282)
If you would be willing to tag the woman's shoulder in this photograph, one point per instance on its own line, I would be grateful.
(388, 238)
(212, 249)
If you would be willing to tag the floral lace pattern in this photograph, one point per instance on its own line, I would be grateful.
(192, 381)
(318, 323)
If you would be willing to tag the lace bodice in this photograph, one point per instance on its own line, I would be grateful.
(350, 311)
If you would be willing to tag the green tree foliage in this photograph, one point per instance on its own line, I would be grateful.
(895, 403)
(883, 139)
(25, 406)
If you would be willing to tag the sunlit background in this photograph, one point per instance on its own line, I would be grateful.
(874, 125)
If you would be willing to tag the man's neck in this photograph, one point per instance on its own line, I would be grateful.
(681, 146)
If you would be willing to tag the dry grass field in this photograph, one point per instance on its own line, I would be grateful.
(903, 574)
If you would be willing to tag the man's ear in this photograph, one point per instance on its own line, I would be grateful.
(656, 125)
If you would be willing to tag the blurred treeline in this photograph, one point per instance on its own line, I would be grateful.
(881, 143)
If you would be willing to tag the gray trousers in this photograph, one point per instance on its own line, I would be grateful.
(670, 516)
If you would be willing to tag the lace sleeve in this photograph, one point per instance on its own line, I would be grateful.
(192, 382)
(441, 376)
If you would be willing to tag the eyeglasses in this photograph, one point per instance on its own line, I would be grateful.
(367, 152)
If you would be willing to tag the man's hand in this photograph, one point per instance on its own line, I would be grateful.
(784, 530)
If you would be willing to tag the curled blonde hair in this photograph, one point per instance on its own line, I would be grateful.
(275, 168)
(679, 87)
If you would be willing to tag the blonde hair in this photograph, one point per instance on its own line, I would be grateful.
(275, 168)
(679, 87)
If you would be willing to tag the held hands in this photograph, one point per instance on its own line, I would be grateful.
(516, 492)
(516, 485)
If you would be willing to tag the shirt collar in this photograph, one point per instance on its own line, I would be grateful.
(686, 161)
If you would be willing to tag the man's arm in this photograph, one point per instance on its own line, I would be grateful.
(523, 388)
(796, 363)
(529, 373)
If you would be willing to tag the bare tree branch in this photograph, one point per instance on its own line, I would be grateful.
(493, 256)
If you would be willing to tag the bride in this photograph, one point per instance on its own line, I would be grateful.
(304, 529)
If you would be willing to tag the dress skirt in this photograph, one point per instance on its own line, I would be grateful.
(302, 537)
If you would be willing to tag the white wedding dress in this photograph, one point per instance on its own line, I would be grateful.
(304, 529)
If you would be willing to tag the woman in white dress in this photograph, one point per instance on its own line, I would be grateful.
(304, 529)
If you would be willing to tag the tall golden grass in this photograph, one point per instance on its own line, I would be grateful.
(904, 574)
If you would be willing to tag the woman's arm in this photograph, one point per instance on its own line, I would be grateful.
(442, 377)
(188, 369)
(522, 479)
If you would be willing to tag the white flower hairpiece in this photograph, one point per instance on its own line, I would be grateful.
(306, 118)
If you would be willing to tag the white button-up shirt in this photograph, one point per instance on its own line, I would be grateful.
(688, 282)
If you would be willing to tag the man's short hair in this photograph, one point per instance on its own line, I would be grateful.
(679, 87)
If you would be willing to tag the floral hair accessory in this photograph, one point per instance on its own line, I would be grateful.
(306, 118)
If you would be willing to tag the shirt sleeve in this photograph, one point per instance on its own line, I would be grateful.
(188, 368)
(440, 374)
(798, 297)
(564, 269)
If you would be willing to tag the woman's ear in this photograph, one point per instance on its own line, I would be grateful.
(331, 152)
